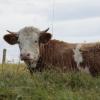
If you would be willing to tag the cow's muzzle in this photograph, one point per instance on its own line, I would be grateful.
(25, 56)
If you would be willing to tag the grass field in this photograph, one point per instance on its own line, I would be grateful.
(17, 84)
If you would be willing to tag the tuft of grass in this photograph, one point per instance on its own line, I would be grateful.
(16, 83)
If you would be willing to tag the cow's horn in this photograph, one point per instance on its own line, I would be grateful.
(44, 31)
(11, 32)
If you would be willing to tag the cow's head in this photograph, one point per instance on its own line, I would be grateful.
(28, 39)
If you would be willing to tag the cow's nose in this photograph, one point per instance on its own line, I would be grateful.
(25, 56)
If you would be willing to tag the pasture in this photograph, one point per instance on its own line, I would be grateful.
(16, 83)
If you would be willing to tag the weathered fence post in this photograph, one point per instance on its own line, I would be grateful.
(4, 56)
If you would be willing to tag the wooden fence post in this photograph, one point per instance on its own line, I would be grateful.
(4, 56)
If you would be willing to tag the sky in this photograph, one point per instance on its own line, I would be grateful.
(68, 20)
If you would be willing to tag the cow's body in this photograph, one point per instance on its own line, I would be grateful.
(39, 52)
(70, 57)
(58, 54)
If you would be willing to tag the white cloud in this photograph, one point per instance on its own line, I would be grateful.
(77, 9)
(78, 28)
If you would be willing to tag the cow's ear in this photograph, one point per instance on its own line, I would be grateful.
(11, 38)
(45, 37)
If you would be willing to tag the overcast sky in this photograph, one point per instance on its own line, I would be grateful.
(73, 21)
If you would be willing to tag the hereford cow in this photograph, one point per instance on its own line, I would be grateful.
(38, 51)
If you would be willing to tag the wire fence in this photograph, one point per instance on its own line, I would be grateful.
(6, 64)
(11, 60)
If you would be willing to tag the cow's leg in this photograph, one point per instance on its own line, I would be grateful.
(93, 72)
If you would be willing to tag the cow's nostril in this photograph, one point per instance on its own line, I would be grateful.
(21, 55)
(28, 54)
(25, 56)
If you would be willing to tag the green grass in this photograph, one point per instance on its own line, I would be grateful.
(16, 83)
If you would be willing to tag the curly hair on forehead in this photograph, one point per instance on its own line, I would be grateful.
(29, 29)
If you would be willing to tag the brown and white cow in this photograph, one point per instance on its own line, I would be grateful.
(38, 51)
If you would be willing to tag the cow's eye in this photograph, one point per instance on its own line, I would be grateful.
(36, 41)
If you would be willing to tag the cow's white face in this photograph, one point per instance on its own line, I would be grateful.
(28, 40)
